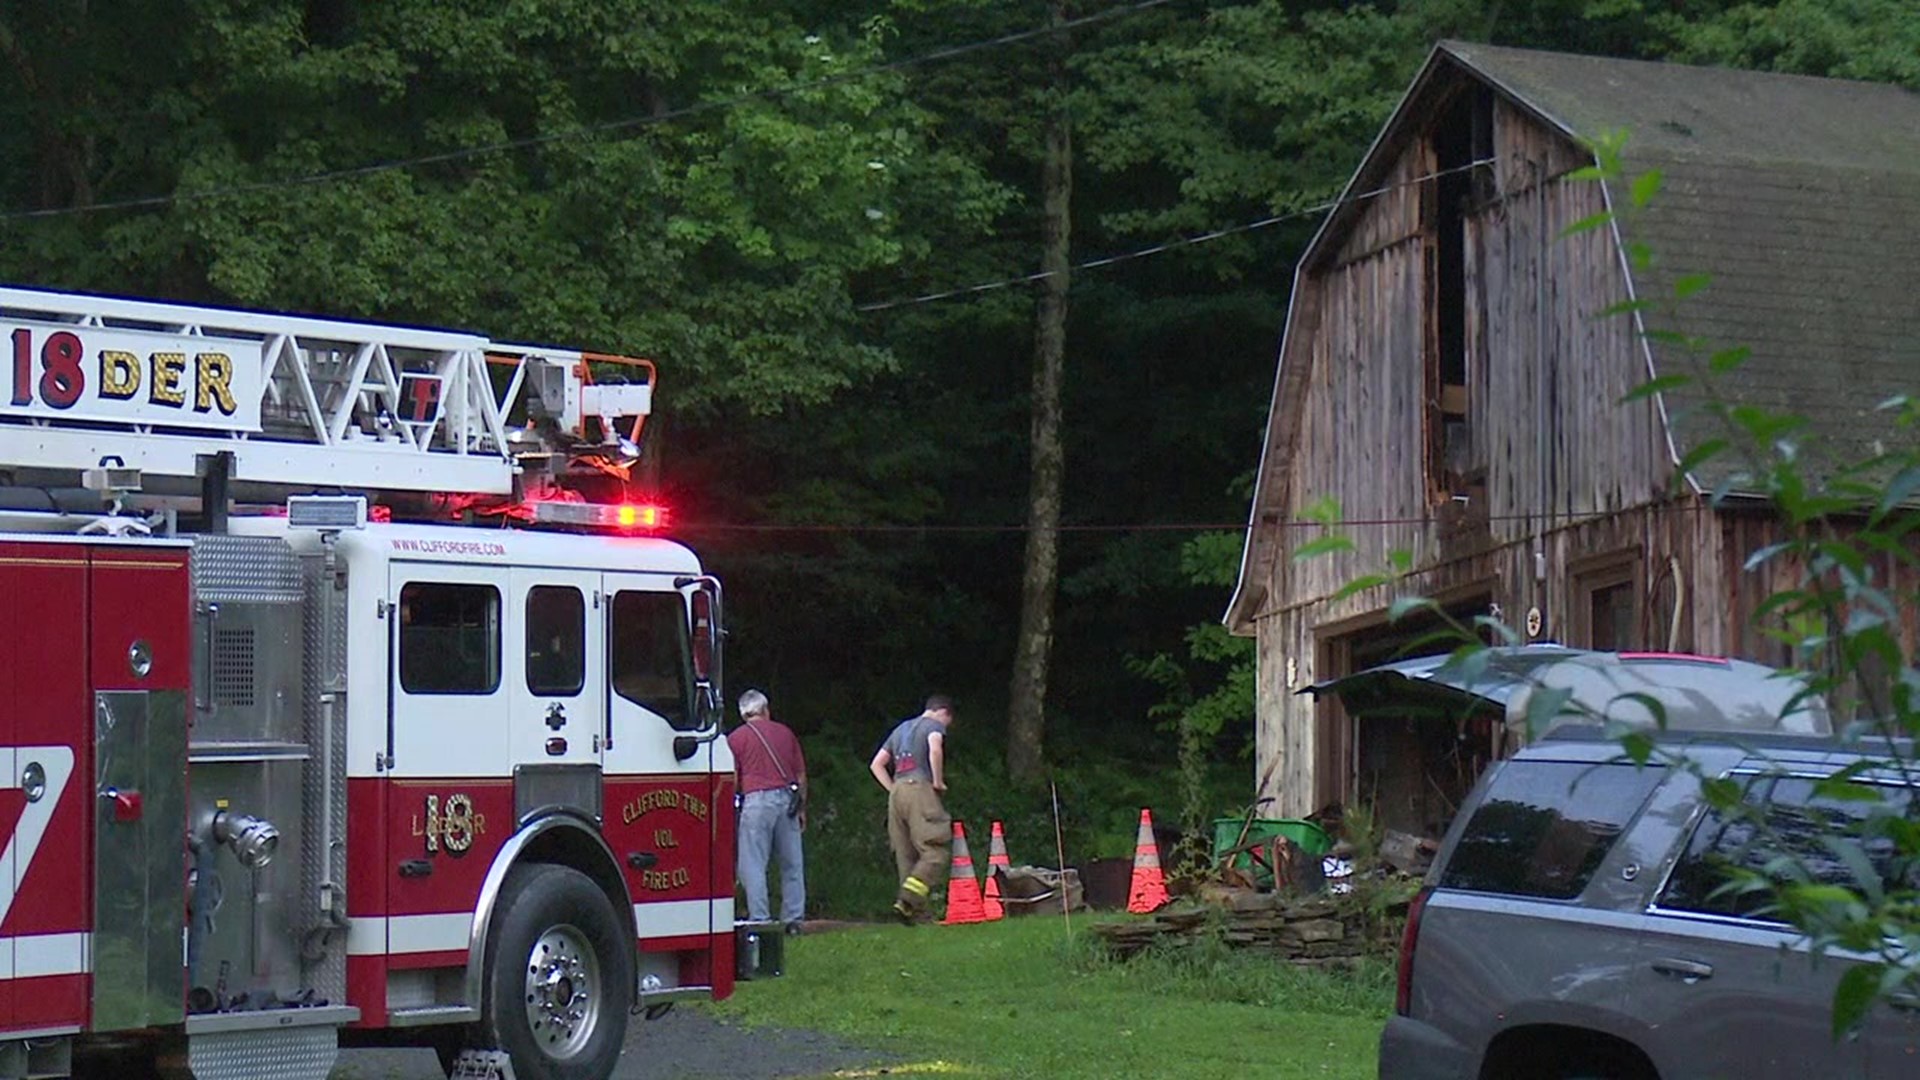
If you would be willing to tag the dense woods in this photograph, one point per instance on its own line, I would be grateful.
(777, 200)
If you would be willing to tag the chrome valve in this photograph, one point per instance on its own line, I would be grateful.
(252, 840)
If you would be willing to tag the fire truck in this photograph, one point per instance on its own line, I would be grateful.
(352, 698)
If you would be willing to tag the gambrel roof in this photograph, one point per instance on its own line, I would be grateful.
(1798, 196)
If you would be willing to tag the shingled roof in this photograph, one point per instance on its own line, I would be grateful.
(1799, 196)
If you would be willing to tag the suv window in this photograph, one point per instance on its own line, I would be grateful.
(1545, 826)
(1798, 821)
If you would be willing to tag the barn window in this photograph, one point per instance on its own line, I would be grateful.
(1606, 604)
(1462, 139)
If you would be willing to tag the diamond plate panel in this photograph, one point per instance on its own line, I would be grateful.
(299, 1054)
(324, 780)
(244, 569)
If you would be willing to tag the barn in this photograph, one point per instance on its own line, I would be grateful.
(1456, 385)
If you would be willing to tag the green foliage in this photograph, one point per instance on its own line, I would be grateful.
(1877, 40)
(1208, 703)
(724, 240)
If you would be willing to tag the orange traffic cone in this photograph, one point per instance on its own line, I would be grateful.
(963, 889)
(1149, 890)
(996, 856)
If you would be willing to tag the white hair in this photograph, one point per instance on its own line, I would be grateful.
(752, 702)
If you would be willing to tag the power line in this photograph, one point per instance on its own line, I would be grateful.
(1170, 245)
(623, 124)
(1550, 521)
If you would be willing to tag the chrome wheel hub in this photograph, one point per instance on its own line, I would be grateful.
(563, 991)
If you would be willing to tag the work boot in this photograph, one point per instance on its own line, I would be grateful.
(902, 912)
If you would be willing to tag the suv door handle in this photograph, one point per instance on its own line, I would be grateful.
(1690, 971)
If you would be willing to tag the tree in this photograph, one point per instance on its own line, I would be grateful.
(1026, 709)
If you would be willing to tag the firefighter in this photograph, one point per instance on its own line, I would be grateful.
(911, 765)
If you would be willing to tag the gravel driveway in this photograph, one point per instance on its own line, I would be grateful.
(685, 1044)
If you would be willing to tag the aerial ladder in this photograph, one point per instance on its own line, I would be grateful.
(294, 402)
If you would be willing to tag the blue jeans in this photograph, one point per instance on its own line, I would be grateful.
(765, 829)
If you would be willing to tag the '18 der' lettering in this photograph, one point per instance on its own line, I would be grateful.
(164, 376)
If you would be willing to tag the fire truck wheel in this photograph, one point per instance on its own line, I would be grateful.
(559, 975)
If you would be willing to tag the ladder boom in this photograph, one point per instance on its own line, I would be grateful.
(298, 401)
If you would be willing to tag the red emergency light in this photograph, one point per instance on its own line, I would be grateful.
(624, 517)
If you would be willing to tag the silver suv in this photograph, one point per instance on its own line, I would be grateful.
(1573, 924)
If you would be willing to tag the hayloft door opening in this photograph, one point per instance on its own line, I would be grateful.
(1462, 139)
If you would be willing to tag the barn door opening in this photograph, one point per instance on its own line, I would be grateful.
(1411, 762)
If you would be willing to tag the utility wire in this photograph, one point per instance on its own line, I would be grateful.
(1170, 245)
(1554, 520)
(623, 124)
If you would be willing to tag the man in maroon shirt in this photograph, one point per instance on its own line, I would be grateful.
(773, 809)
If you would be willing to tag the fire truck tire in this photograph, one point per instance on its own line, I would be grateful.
(559, 980)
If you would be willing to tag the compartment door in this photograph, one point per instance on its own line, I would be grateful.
(42, 812)
(131, 794)
(446, 700)
(15, 649)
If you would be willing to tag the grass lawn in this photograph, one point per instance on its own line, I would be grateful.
(1016, 999)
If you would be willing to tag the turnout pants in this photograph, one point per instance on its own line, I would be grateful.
(920, 832)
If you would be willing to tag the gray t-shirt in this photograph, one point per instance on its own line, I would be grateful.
(909, 750)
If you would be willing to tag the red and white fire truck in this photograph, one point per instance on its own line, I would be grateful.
(349, 697)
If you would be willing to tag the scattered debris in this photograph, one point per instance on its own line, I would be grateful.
(1339, 874)
(1316, 931)
(1028, 890)
(1293, 889)
(1408, 853)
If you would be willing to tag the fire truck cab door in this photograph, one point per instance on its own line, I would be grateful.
(650, 679)
(666, 799)
(449, 642)
(556, 667)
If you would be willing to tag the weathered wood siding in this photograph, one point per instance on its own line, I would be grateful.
(1743, 532)
(1696, 594)
(1305, 749)
(1546, 375)
(1548, 371)
(1391, 207)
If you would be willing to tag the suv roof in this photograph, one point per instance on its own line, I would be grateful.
(1717, 749)
(1692, 693)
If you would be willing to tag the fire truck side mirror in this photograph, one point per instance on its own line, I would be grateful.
(706, 636)
(706, 718)
(705, 603)
(705, 622)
